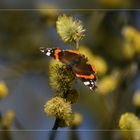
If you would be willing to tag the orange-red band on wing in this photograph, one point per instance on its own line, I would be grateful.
(93, 68)
(91, 76)
(56, 54)
(73, 51)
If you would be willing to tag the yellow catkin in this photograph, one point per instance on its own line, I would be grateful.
(61, 77)
(136, 98)
(130, 126)
(3, 90)
(77, 119)
(128, 51)
(48, 10)
(59, 108)
(106, 85)
(132, 37)
(8, 118)
(69, 29)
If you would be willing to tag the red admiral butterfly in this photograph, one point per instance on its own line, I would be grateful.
(77, 62)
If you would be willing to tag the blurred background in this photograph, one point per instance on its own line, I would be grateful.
(112, 44)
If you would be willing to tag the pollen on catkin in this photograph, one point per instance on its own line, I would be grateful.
(59, 108)
(69, 29)
(61, 77)
(3, 90)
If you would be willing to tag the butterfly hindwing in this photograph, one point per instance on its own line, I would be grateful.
(85, 72)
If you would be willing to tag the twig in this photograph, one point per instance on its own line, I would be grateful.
(56, 124)
(54, 129)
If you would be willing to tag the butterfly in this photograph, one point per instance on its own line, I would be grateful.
(77, 62)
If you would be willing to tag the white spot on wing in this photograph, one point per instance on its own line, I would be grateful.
(87, 83)
(90, 88)
(48, 53)
(42, 51)
(92, 83)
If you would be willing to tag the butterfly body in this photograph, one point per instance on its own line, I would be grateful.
(78, 63)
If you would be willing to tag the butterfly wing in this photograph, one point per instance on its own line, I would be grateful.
(53, 52)
(86, 73)
(68, 57)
